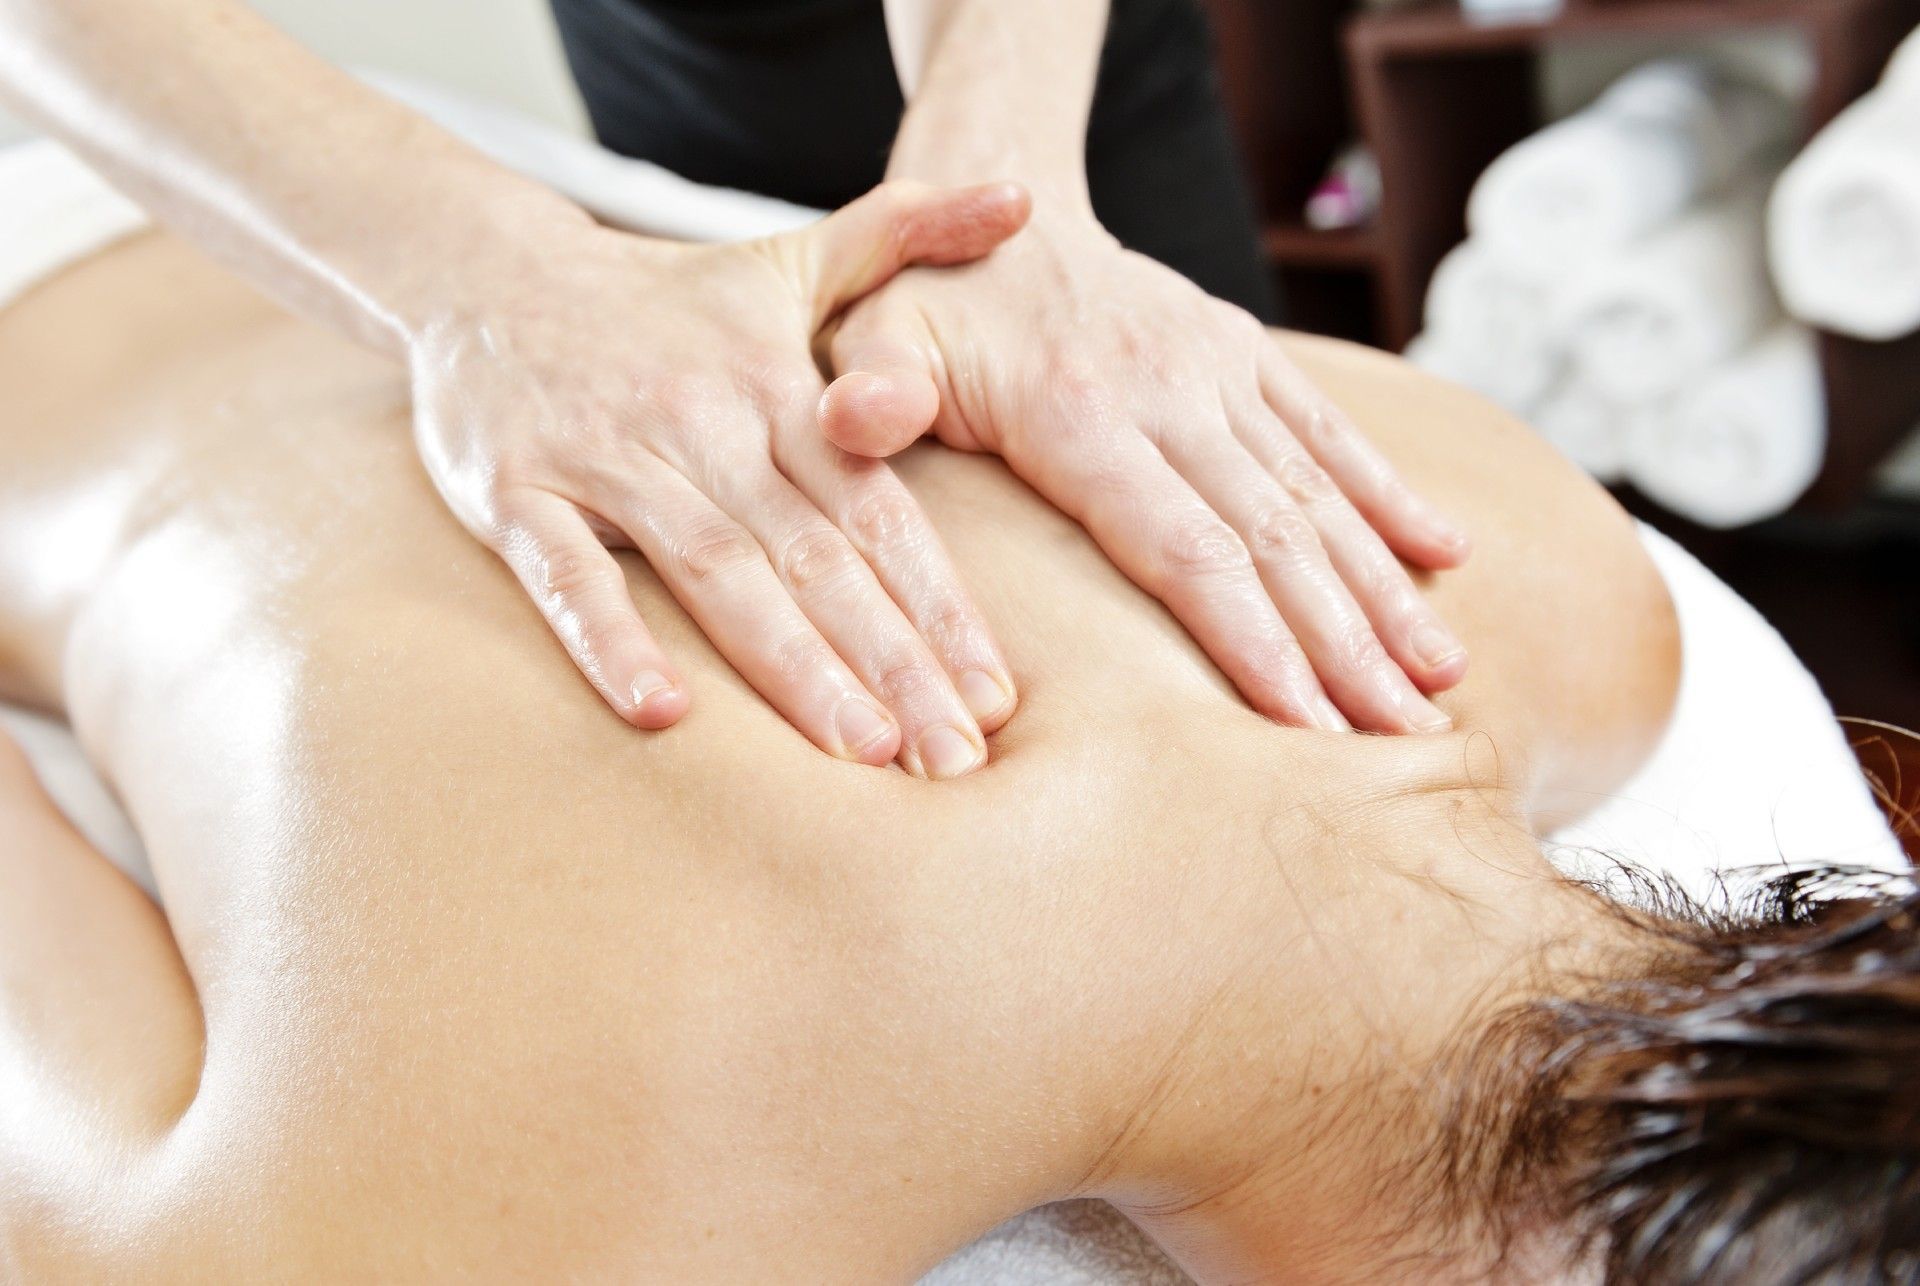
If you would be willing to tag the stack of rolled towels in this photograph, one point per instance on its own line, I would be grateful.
(1614, 291)
(1844, 226)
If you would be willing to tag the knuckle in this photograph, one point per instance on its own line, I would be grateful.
(802, 655)
(1137, 343)
(1354, 654)
(904, 675)
(566, 573)
(714, 550)
(882, 515)
(1306, 481)
(951, 627)
(1245, 327)
(1196, 548)
(1319, 421)
(1080, 398)
(1282, 531)
(1384, 582)
(814, 557)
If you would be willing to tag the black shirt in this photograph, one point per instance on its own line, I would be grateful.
(798, 99)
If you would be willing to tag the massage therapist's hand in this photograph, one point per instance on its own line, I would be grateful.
(1172, 427)
(645, 394)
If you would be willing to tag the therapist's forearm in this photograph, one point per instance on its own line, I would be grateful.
(997, 89)
(339, 202)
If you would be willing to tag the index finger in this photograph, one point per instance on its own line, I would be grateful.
(1412, 527)
(581, 591)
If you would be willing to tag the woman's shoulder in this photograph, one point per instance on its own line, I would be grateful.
(1574, 645)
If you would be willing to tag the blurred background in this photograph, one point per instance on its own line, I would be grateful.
(502, 50)
(1679, 237)
(1579, 209)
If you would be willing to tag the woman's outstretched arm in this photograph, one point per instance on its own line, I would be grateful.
(577, 387)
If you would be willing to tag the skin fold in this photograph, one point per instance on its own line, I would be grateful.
(459, 979)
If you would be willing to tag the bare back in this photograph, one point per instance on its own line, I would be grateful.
(708, 988)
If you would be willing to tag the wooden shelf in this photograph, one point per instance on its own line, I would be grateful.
(1442, 28)
(1295, 245)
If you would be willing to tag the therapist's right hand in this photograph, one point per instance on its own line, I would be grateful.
(628, 392)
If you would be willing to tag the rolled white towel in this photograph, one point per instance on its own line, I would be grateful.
(1747, 442)
(1656, 312)
(1488, 326)
(1593, 432)
(1903, 69)
(1660, 137)
(1844, 223)
(1516, 384)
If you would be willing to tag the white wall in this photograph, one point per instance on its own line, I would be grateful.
(505, 50)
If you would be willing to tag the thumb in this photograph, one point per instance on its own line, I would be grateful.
(885, 397)
(860, 247)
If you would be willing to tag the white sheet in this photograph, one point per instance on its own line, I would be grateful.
(1753, 771)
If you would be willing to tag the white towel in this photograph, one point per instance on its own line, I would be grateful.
(1844, 235)
(1747, 442)
(1903, 69)
(1753, 776)
(1643, 320)
(54, 211)
(1488, 326)
(1512, 383)
(1590, 430)
(1660, 137)
(618, 190)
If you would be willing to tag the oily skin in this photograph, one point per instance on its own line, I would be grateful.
(580, 389)
(461, 979)
(1216, 474)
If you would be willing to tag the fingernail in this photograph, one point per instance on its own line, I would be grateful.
(860, 725)
(946, 752)
(649, 683)
(1328, 717)
(1422, 714)
(1434, 645)
(985, 695)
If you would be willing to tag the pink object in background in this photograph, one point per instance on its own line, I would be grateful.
(1349, 196)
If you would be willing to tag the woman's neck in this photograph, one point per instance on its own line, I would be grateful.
(1299, 1137)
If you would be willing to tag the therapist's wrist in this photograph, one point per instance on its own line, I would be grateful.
(498, 245)
(1054, 172)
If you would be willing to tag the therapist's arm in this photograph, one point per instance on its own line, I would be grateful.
(575, 388)
(1166, 421)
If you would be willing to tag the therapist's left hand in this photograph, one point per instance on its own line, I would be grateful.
(1169, 424)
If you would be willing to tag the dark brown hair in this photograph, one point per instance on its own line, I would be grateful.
(1743, 1108)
